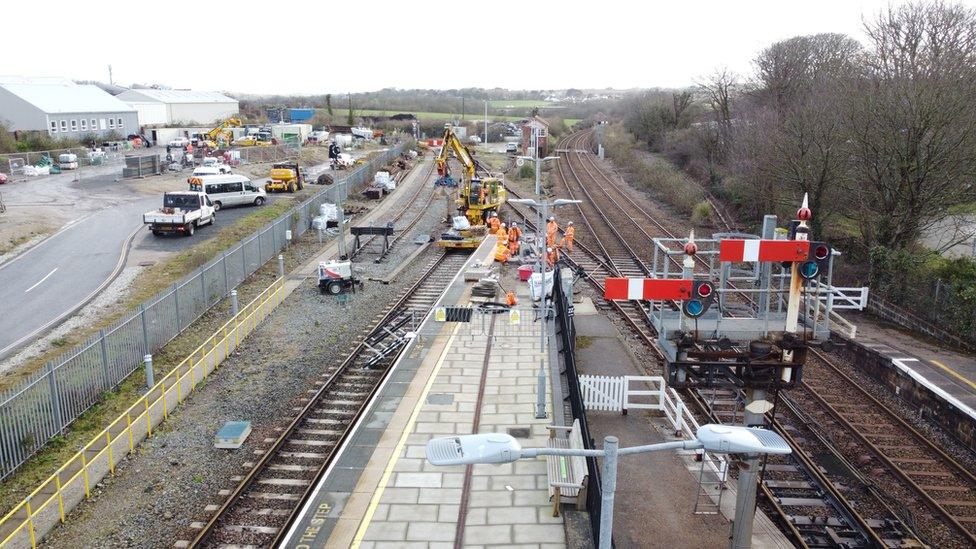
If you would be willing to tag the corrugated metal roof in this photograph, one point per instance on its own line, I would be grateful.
(179, 96)
(54, 95)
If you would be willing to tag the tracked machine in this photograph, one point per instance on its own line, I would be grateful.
(475, 197)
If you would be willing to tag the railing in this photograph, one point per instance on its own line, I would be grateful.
(616, 394)
(567, 334)
(49, 400)
(50, 502)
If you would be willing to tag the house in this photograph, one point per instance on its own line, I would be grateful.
(63, 108)
(175, 107)
(539, 127)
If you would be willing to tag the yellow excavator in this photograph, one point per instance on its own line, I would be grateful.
(221, 135)
(477, 196)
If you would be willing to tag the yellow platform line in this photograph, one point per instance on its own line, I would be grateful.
(398, 449)
(954, 373)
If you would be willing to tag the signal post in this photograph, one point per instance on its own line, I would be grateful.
(754, 338)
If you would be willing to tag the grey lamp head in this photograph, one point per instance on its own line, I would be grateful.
(732, 439)
(470, 449)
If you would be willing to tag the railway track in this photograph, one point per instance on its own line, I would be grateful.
(812, 506)
(265, 501)
(914, 470)
(409, 205)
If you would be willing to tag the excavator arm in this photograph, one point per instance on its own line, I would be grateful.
(214, 134)
(452, 143)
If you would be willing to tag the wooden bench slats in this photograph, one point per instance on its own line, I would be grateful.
(567, 474)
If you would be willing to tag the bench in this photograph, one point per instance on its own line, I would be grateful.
(567, 474)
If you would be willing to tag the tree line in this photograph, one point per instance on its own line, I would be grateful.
(880, 134)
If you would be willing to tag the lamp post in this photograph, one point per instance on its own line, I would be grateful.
(538, 168)
(543, 207)
(503, 448)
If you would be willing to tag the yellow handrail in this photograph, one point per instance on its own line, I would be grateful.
(88, 462)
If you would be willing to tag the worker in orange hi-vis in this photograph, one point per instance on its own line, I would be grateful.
(552, 229)
(514, 238)
(483, 195)
(568, 236)
(502, 253)
(493, 223)
(552, 256)
(502, 234)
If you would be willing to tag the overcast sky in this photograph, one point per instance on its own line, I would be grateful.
(340, 46)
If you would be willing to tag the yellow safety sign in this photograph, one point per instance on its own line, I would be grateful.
(440, 314)
(514, 317)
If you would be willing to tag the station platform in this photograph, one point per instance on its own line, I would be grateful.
(454, 378)
(936, 379)
(667, 515)
(953, 371)
(478, 377)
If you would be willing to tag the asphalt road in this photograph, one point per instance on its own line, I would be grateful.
(52, 280)
(49, 282)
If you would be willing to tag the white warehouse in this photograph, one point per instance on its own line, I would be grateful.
(179, 107)
(63, 108)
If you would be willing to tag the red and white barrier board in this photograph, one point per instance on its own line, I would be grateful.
(739, 251)
(647, 289)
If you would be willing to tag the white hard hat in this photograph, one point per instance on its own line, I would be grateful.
(548, 249)
(569, 222)
(494, 214)
(514, 223)
(551, 218)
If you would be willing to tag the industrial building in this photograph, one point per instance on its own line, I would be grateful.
(179, 107)
(62, 108)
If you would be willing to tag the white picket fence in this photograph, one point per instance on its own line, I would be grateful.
(615, 394)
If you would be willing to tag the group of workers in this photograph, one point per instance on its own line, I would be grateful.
(509, 238)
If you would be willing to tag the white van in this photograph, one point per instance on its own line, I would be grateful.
(229, 190)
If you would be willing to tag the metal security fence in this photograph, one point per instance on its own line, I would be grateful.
(54, 396)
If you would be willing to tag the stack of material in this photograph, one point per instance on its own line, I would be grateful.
(485, 290)
(141, 166)
(328, 214)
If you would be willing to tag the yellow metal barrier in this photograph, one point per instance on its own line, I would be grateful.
(50, 502)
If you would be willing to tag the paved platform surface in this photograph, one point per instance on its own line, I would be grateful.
(382, 492)
(951, 370)
(658, 489)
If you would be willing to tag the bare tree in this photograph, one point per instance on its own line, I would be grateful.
(717, 92)
(912, 121)
(796, 137)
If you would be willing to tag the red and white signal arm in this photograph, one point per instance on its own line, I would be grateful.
(647, 289)
(753, 250)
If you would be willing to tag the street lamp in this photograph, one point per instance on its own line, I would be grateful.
(543, 207)
(538, 168)
(503, 448)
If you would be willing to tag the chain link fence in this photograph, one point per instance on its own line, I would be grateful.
(15, 164)
(54, 396)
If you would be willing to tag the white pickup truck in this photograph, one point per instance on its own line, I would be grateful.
(182, 212)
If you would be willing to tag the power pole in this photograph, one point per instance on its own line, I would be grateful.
(110, 81)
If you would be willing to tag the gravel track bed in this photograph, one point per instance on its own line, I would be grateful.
(156, 493)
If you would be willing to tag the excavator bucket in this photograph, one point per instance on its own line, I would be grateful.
(446, 181)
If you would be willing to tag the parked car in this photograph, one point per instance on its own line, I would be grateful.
(511, 148)
(179, 142)
(217, 163)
